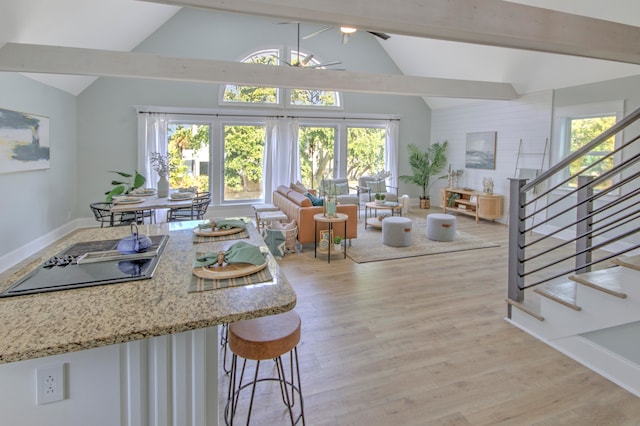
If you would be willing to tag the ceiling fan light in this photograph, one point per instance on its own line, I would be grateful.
(348, 30)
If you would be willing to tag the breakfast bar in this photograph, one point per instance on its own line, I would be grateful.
(136, 352)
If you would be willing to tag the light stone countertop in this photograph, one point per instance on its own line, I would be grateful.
(44, 324)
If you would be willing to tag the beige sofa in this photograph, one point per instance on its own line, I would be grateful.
(298, 207)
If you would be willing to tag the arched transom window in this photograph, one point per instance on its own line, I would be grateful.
(295, 98)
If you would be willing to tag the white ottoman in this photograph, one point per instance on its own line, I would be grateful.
(441, 227)
(396, 231)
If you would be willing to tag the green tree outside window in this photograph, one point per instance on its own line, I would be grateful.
(583, 131)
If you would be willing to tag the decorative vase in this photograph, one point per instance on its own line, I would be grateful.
(330, 209)
(337, 247)
(163, 187)
(425, 203)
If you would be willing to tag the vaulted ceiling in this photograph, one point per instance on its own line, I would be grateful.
(120, 25)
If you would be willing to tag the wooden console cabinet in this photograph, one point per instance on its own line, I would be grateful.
(472, 203)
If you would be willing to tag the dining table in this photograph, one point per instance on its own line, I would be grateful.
(135, 203)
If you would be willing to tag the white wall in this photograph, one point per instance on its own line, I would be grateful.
(527, 118)
(36, 202)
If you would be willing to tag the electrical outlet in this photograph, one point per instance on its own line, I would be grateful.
(50, 383)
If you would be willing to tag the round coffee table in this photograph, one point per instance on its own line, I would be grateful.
(374, 207)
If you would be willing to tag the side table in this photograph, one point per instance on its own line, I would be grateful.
(320, 217)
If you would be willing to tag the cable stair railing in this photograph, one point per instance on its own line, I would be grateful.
(589, 220)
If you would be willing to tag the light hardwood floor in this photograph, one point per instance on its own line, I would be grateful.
(423, 341)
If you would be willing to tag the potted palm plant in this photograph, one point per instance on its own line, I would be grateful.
(425, 165)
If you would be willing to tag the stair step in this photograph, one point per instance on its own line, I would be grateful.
(563, 293)
(526, 309)
(632, 262)
(605, 280)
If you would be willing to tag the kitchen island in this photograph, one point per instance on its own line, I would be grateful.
(134, 353)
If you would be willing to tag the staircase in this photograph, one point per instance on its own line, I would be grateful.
(581, 294)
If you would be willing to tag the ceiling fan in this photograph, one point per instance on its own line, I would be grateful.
(305, 62)
(346, 33)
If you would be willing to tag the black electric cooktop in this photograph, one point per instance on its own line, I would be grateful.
(89, 264)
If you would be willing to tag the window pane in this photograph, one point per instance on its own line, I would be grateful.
(189, 155)
(312, 97)
(316, 146)
(251, 94)
(243, 155)
(365, 152)
(583, 131)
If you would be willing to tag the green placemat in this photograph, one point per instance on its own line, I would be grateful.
(208, 239)
(203, 284)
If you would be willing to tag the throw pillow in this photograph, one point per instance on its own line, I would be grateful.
(377, 186)
(298, 187)
(315, 201)
(342, 188)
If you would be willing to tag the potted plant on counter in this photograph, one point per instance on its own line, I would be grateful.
(425, 165)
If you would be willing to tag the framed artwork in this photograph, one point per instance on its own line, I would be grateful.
(481, 150)
(326, 238)
(24, 141)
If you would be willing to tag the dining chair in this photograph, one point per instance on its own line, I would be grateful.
(196, 211)
(102, 213)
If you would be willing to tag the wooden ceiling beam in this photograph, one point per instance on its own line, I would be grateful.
(105, 63)
(488, 22)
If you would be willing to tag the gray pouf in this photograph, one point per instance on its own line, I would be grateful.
(396, 231)
(441, 227)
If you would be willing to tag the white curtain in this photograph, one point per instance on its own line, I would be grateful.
(281, 156)
(294, 174)
(152, 137)
(391, 151)
(269, 159)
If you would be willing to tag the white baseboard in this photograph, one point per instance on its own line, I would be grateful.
(18, 255)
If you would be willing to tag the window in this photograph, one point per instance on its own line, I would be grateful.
(270, 96)
(316, 145)
(243, 159)
(315, 97)
(237, 157)
(576, 125)
(250, 94)
(582, 131)
(189, 155)
(365, 152)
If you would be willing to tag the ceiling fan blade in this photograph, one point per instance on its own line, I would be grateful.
(306, 60)
(283, 61)
(383, 36)
(326, 64)
(308, 36)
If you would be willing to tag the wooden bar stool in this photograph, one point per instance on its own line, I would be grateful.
(261, 339)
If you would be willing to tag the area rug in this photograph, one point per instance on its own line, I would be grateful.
(368, 246)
